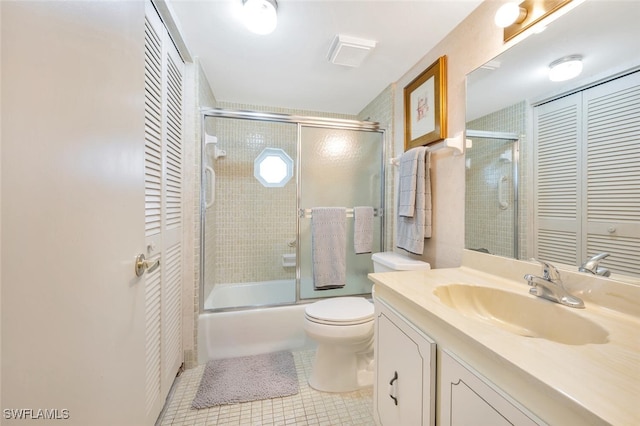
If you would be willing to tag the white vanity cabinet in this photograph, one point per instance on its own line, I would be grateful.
(490, 374)
(404, 389)
(407, 387)
(466, 398)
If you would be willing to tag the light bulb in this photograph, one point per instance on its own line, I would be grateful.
(260, 16)
(509, 14)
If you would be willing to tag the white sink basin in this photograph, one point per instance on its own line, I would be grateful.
(522, 314)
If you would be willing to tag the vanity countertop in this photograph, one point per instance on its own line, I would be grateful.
(602, 380)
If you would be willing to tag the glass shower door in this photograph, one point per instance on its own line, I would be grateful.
(250, 226)
(491, 204)
(339, 168)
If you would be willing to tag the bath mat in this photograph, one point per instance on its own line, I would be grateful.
(249, 378)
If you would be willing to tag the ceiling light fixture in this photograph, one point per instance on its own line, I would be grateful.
(260, 16)
(565, 68)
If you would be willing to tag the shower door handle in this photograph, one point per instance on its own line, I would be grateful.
(212, 186)
(501, 201)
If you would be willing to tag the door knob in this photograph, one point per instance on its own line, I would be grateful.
(142, 265)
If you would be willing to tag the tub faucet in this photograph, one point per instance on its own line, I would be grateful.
(591, 265)
(550, 287)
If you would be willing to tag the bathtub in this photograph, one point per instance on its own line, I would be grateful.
(251, 331)
(263, 293)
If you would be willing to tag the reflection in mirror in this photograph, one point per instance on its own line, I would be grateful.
(492, 190)
(555, 176)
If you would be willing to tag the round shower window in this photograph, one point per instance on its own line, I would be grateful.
(273, 167)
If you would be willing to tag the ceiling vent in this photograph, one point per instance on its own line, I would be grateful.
(349, 51)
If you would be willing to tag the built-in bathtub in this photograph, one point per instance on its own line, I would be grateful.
(251, 331)
(264, 293)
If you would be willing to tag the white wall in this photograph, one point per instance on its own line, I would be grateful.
(0, 213)
(472, 43)
(72, 145)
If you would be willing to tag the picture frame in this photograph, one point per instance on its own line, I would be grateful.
(425, 106)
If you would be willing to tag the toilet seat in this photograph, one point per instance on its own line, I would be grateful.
(340, 311)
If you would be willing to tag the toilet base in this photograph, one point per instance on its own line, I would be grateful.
(338, 370)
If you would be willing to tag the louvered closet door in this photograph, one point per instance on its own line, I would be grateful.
(163, 211)
(558, 184)
(172, 224)
(612, 193)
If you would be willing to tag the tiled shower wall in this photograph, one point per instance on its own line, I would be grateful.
(249, 226)
(486, 225)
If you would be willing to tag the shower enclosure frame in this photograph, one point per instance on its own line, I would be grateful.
(300, 121)
(507, 136)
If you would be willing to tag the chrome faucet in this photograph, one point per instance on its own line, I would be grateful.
(591, 265)
(550, 287)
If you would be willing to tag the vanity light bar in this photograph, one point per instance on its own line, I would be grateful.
(536, 11)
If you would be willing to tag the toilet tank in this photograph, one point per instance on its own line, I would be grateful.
(391, 261)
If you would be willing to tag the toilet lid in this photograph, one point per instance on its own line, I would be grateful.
(341, 310)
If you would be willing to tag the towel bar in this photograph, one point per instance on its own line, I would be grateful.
(306, 213)
(456, 143)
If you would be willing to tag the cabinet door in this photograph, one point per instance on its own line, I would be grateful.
(468, 399)
(404, 392)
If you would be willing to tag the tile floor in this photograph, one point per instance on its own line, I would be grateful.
(308, 407)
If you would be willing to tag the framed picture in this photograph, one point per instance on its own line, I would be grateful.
(425, 106)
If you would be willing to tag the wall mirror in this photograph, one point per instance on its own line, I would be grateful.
(506, 165)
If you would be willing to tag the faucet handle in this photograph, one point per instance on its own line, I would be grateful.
(549, 271)
(591, 265)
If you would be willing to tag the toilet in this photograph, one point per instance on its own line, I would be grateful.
(387, 261)
(342, 327)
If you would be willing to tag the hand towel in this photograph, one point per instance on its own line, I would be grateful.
(428, 210)
(408, 176)
(329, 247)
(363, 229)
(413, 230)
